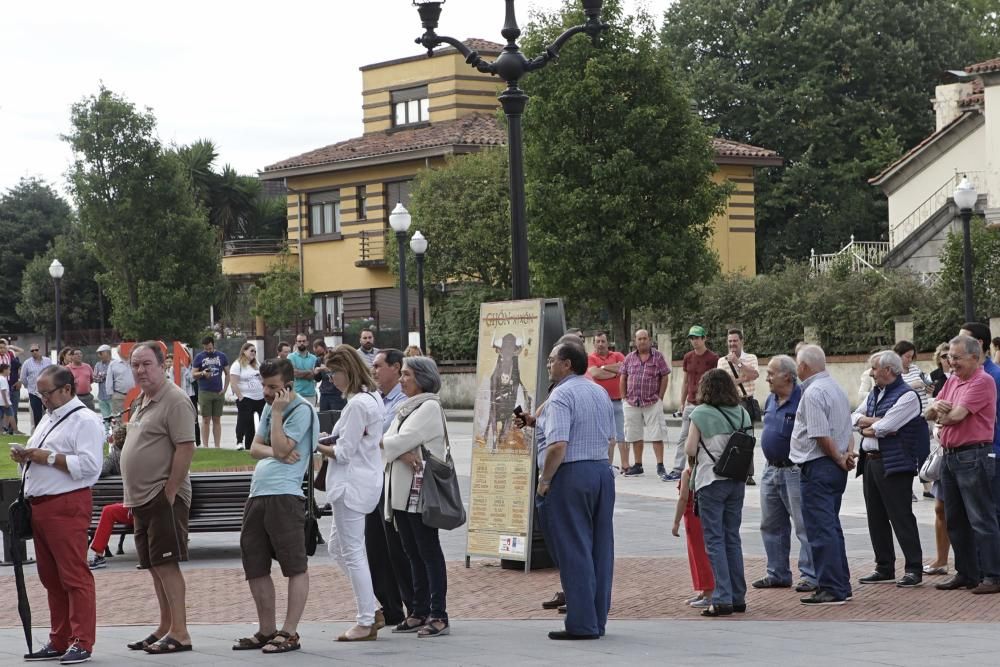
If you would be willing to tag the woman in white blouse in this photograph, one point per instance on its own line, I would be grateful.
(354, 481)
(419, 421)
(244, 378)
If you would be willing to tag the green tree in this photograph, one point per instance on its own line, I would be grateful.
(161, 260)
(985, 269)
(79, 290)
(278, 298)
(838, 88)
(32, 215)
(463, 208)
(983, 17)
(619, 171)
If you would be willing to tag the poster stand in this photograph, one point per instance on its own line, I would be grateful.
(515, 338)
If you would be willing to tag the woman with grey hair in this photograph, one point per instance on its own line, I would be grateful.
(419, 423)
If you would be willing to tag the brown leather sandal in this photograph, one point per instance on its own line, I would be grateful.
(282, 642)
(254, 643)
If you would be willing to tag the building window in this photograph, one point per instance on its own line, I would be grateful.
(397, 192)
(324, 213)
(329, 312)
(410, 106)
(362, 202)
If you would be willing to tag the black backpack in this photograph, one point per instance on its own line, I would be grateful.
(736, 459)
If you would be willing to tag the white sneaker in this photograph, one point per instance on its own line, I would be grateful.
(97, 562)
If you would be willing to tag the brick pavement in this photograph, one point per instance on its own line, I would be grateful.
(645, 588)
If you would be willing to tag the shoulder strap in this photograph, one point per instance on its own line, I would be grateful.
(737, 375)
(730, 421)
(701, 443)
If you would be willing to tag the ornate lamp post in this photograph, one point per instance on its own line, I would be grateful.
(965, 198)
(399, 220)
(511, 66)
(56, 270)
(418, 244)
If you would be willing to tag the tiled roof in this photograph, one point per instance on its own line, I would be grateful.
(475, 129)
(916, 149)
(483, 45)
(975, 98)
(985, 66)
(727, 148)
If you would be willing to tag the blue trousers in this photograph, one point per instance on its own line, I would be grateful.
(720, 506)
(780, 509)
(823, 485)
(970, 511)
(579, 530)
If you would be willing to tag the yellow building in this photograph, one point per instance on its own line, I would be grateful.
(417, 111)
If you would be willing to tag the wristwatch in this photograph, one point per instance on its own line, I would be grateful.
(51, 460)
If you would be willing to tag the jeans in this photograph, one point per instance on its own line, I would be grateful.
(967, 480)
(780, 507)
(105, 406)
(347, 548)
(720, 507)
(427, 566)
(680, 458)
(823, 483)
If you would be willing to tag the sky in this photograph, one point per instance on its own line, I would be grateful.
(263, 80)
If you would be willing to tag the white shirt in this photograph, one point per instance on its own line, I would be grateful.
(4, 391)
(746, 359)
(80, 438)
(356, 473)
(250, 383)
(906, 408)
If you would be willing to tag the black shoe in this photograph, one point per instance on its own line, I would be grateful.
(661, 472)
(768, 582)
(740, 608)
(562, 634)
(805, 587)
(877, 577)
(634, 471)
(910, 580)
(44, 653)
(719, 610)
(750, 481)
(821, 598)
(74, 655)
(955, 583)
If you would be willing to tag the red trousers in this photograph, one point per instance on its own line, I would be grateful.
(110, 515)
(60, 526)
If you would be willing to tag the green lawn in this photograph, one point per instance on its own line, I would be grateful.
(205, 460)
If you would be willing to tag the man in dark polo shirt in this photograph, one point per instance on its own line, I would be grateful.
(155, 462)
(697, 361)
(780, 494)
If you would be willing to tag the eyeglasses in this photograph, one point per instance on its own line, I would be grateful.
(34, 349)
(46, 394)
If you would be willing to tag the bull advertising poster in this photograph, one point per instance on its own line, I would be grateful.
(511, 373)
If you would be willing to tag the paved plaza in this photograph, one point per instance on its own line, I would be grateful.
(497, 617)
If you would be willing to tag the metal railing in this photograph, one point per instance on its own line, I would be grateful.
(934, 203)
(252, 247)
(860, 255)
(373, 248)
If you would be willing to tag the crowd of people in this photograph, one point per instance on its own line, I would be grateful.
(390, 414)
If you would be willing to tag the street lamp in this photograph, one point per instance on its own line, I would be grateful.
(965, 198)
(56, 270)
(511, 66)
(399, 220)
(418, 244)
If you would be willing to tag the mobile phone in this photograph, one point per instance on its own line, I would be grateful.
(15, 447)
(518, 411)
(328, 440)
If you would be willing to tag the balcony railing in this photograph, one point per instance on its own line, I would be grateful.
(860, 256)
(252, 247)
(373, 248)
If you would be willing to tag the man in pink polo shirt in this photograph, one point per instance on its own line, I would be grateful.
(965, 409)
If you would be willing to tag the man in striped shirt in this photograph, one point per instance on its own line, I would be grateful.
(577, 487)
(822, 445)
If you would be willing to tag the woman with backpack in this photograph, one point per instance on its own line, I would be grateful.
(714, 422)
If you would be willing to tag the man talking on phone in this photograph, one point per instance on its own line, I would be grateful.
(64, 458)
(274, 515)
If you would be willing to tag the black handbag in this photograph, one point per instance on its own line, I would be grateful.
(19, 512)
(312, 534)
(736, 459)
(440, 502)
(750, 404)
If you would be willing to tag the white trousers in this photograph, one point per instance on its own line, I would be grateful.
(347, 546)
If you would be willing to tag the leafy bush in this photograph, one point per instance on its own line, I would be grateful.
(453, 328)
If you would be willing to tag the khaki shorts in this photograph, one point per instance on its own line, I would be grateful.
(210, 403)
(161, 531)
(274, 528)
(648, 423)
